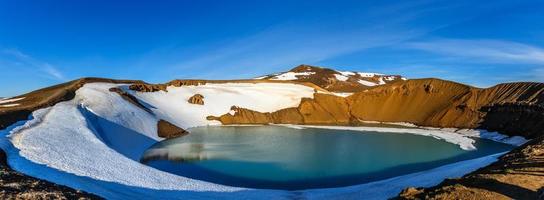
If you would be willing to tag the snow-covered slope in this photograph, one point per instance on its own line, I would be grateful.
(218, 99)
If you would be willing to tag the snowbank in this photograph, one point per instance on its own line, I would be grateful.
(346, 73)
(341, 77)
(367, 83)
(291, 75)
(342, 94)
(365, 74)
(476, 133)
(218, 99)
(495, 136)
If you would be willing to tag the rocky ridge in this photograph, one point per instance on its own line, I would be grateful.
(506, 108)
(334, 81)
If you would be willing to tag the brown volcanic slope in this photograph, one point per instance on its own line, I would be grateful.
(46, 97)
(513, 109)
(332, 80)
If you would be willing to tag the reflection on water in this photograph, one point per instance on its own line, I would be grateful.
(286, 158)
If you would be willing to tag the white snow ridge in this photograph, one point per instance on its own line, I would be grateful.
(287, 76)
(82, 143)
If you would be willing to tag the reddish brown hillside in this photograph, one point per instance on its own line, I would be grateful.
(332, 80)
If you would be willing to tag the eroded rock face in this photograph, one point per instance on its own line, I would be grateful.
(143, 87)
(239, 115)
(429, 102)
(322, 109)
(179, 83)
(166, 129)
(325, 109)
(196, 99)
(512, 109)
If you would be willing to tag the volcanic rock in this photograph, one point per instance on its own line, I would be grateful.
(239, 115)
(143, 87)
(322, 109)
(166, 129)
(130, 98)
(14, 185)
(197, 99)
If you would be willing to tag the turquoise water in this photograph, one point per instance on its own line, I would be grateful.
(285, 158)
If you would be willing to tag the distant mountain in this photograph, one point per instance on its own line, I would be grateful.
(332, 80)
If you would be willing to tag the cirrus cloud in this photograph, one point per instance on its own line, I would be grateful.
(41, 68)
(483, 50)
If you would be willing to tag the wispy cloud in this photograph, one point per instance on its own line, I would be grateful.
(40, 68)
(482, 50)
(288, 45)
(314, 42)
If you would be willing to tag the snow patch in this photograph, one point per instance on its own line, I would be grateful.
(495, 136)
(342, 94)
(289, 126)
(368, 75)
(381, 81)
(10, 100)
(341, 77)
(346, 73)
(367, 83)
(476, 133)
(9, 105)
(291, 75)
(389, 78)
(406, 124)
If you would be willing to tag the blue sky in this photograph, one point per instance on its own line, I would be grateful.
(481, 43)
